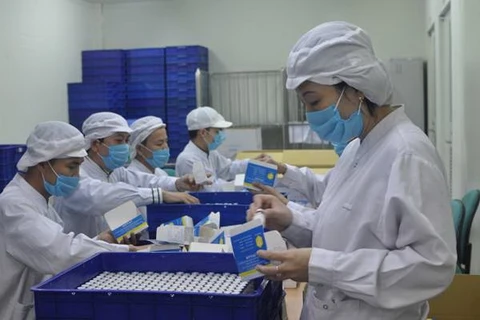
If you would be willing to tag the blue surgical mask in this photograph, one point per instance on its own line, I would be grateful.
(217, 141)
(330, 126)
(159, 157)
(339, 148)
(64, 185)
(117, 156)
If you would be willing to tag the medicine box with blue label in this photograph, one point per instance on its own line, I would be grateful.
(260, 172)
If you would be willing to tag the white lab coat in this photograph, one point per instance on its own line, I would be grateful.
(221, 168)
(83, 211)
(137, 166)
(33, 245)
(383, 238)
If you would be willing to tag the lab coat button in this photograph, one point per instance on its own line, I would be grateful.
(325, 307)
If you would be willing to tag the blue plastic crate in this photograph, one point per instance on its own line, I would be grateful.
(3, 183)
(190, 83)
(146, 94)
(186, 67)
(103, 54)
(58, 298)
(143, 112)
(102, 63)
(187, 102)
(185, 51)
(147, 61)
(97, 91)
(146, 103)
(145, 53)
(198, 59)
(145, 77)
(146, 85)
(104, 78)
(107, 71)
(180, 76)
(97, 104)
(147, 70)
(224, 197)
(76, 117)
(161, 213)
(181, 93)
(8, 153)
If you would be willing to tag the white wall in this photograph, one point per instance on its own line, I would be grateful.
(257, 35)
(40, 45)
(465, 109)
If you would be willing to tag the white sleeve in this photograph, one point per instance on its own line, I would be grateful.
(227, 169)
(299, 233)
(40, 243)
(95, 197)
(184, 164)
(145, 180)
(306, 182)
(421, 262)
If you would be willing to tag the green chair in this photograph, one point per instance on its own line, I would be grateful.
(458, 212)
(171, 172)
(470, 201)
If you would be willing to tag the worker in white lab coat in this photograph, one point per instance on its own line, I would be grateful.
(149, 146)
(33, 243)
(148, 150)
(206, 128)
(106, 136)
(382, 241)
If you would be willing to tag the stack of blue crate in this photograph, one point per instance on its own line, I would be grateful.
(146, 92)
(103, 86)
(182, 63)
(9, 156)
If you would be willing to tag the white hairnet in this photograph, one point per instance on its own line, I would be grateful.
(339, 51)
(52, 140)
(141, 129)
(103, 124)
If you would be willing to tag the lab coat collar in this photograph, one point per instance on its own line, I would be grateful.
(90, 165)
(196, 149)
(140, 166)
(381, 129)
(29, 192)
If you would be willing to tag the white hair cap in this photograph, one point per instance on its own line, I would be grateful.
(206, 117)
(141, 129)
(103, 124)
(52, 140)
(339, 51)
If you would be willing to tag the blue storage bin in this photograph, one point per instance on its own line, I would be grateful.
(190, 83)
(189, 103)
(104, 78)
(138, 54)
(58, 298)
(145, 77)
(110, 71)
(76, 117)
(224, 197)
(198, 59)
(146, 94)
(102, 63)
(181, 93)
(161, 213)
(180, 77)
(146, 85)
(185, 51)
(146, 103)
(103, 54)
(147, 61)
(4, 182)
(97, 91)
(143, 112)
(8, 153)
(186, 67)
(146, 70)
(97, 104)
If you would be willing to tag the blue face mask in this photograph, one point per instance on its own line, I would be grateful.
(217, 141)
(339, 148)
(159, 157)
(330, 126)
(117, 156)
(64, 185)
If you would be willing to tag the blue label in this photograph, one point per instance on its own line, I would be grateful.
(126, 228)
(257, 173)
(219, 239)
(245, 246)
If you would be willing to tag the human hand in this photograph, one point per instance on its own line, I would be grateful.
(187, 183)
(293, 264)
(263, 189)
(277, 215)
(178, 197)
